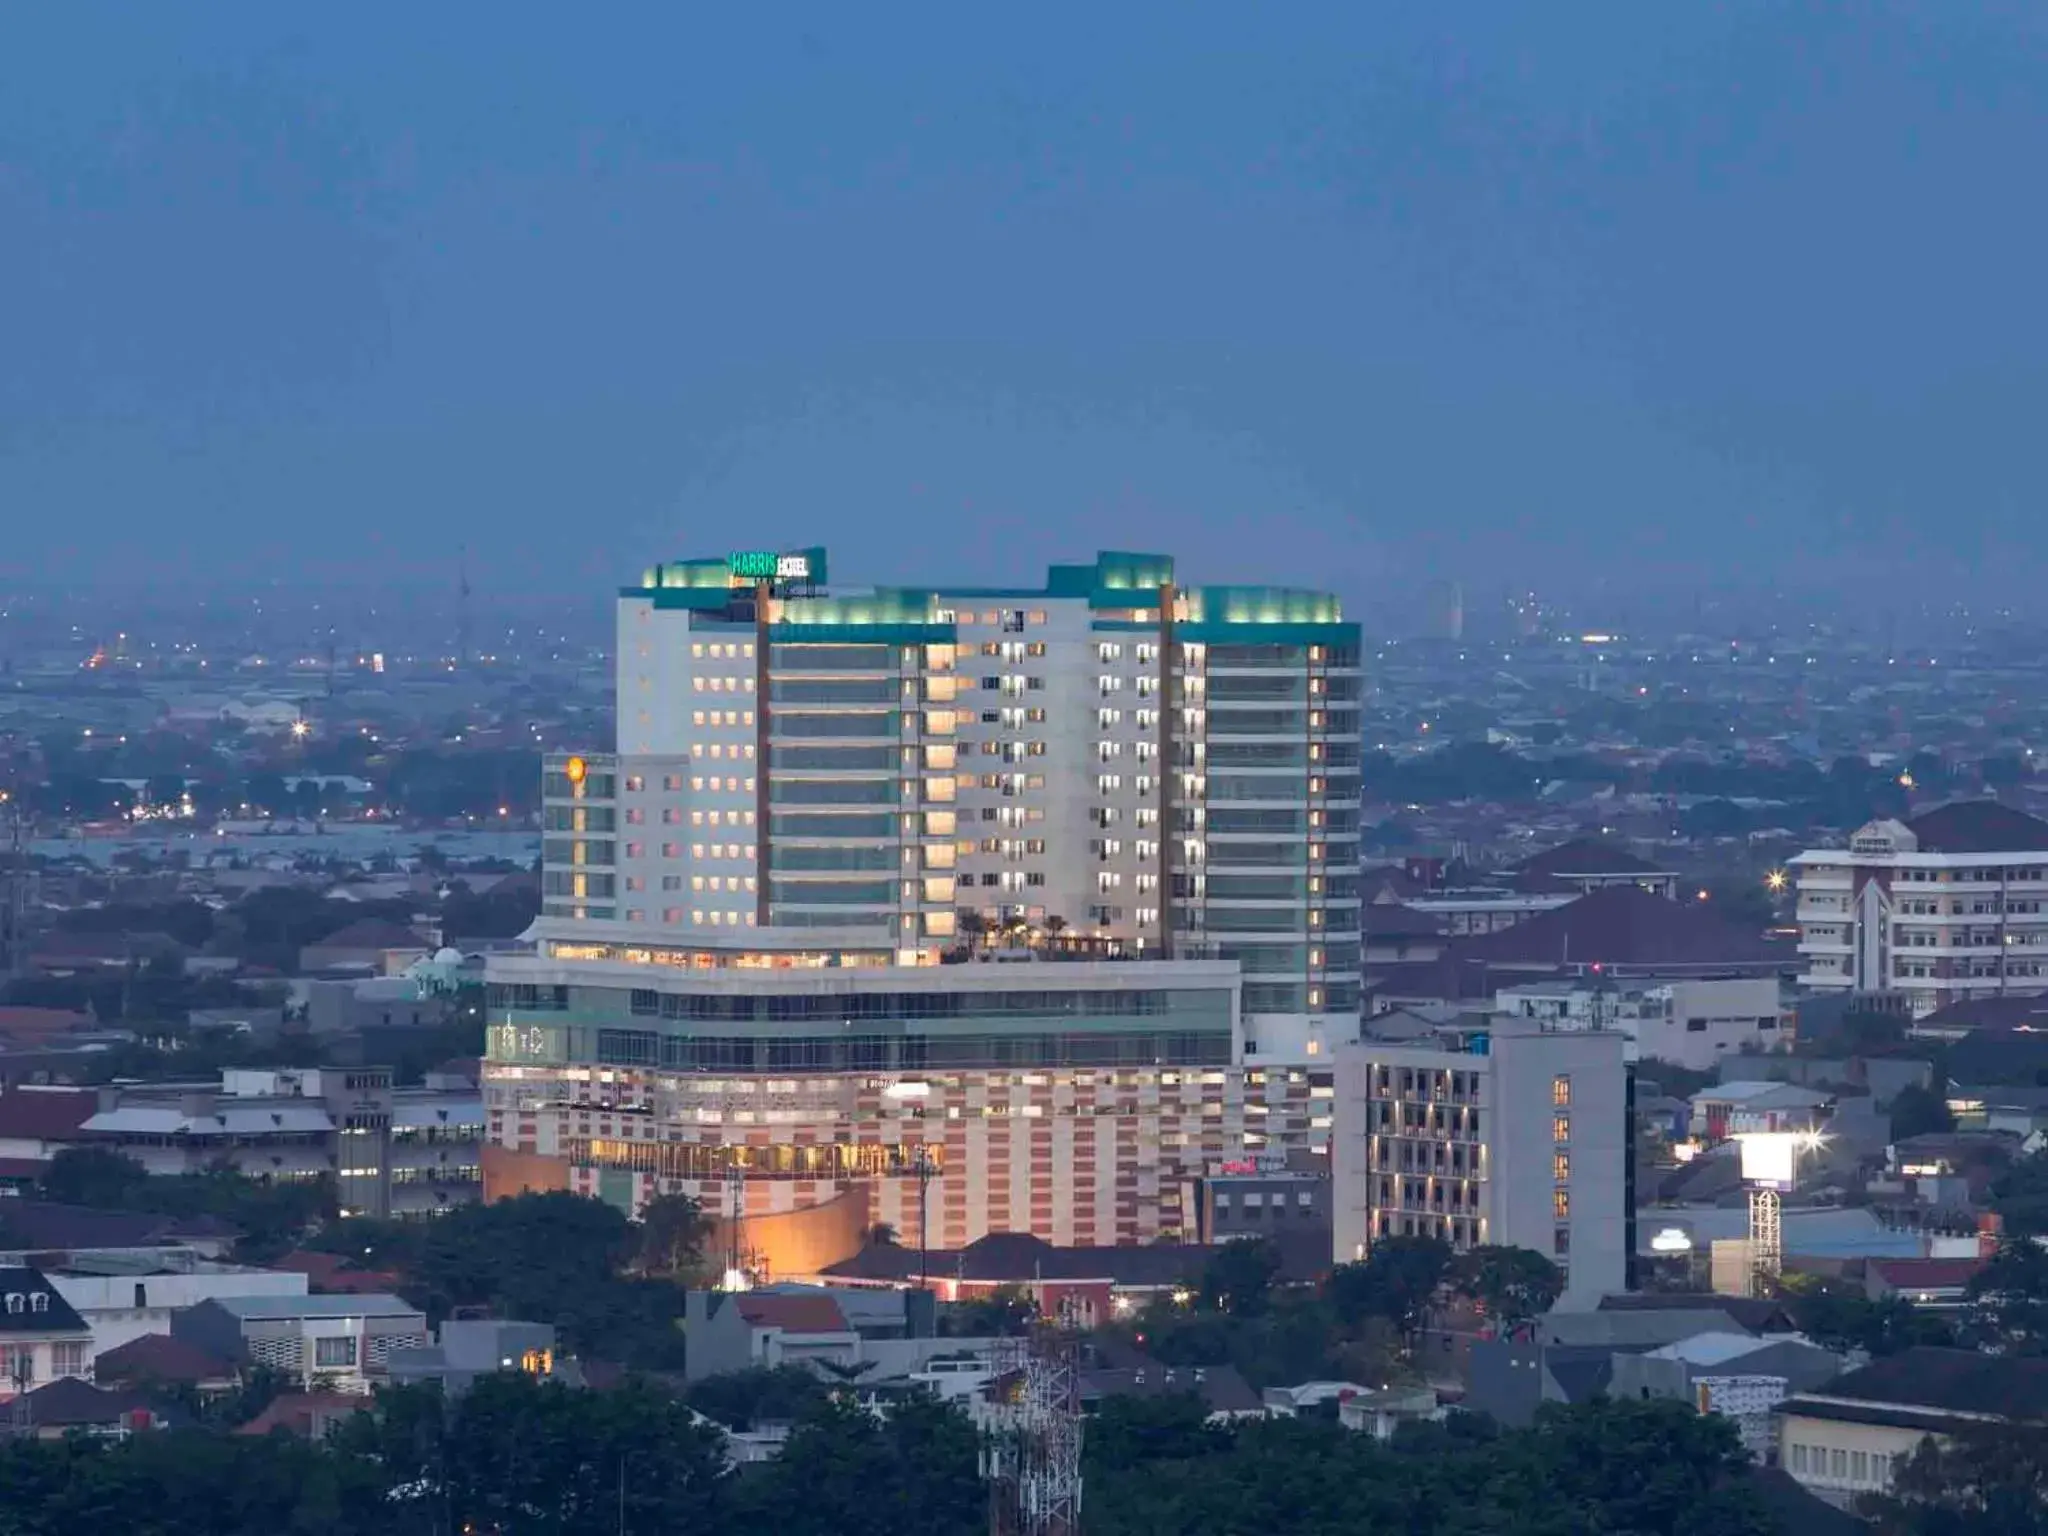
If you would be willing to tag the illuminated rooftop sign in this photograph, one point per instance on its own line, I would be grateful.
(766, 565)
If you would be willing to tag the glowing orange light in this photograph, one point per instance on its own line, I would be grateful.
(576, 768)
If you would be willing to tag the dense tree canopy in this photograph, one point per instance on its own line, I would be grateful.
(270, 1216)
(517, 1455)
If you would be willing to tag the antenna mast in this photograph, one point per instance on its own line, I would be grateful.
(1032, 1458)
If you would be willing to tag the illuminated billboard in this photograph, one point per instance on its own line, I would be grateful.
(1770, 1158)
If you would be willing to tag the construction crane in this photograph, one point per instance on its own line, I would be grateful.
(1031, 1456)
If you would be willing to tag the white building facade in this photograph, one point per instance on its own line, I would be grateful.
(1168, 770)
(1692, 1022)
(1513, 1135)
(1927, 910)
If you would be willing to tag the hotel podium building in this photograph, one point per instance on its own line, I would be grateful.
(816, 801)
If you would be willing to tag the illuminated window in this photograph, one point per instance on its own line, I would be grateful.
(1561, 1204)
(1561, 1092)
(1561, 1165)
(1561, 1129)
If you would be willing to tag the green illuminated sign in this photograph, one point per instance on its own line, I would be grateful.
(766, 565)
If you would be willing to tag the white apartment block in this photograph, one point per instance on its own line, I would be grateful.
(1949, 907)
(1512, 1134)
(1168, 771)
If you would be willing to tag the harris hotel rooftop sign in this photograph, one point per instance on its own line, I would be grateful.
(767, 565)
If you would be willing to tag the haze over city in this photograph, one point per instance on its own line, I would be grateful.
(1084, 771)
(1613, 299)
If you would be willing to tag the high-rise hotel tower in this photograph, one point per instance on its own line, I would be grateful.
(1163, 777)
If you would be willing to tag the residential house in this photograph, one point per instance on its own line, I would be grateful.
(66, 1234)
(745, 1330)
(371, 944)
(466, 1349)
(308, 1415)
(74, 1406)
(126, 1300)
(340, 1342)
(37, 1122)
(41, 1337)
(156, 1361)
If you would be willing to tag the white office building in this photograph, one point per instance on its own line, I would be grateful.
(1949, 907)
(1508, 1134)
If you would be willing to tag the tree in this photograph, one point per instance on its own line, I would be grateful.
(1396, 1281)
(1980, 1479)
(1745, 903)
(1840, 1316)
(558, 1258)
(1005, 1312)
(96, 1176)
(1918, 1111)
(1238, 1278)
(848, 1472)
(881, 1235)
(762, 1395)
(518, 1454)
(1128, 1432)
(2009, 1300)
(2020, 1196)
(1510, 1285)
(673, 1229)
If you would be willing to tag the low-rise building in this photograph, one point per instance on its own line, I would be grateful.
(122, 1301)
(1691, 1022)
(41, 1337)
(343, 1343)
(1588, 864)
(73, 1406)
(391, 1151)
(1738, 1109)
(1846, 1439)
(467, 1348)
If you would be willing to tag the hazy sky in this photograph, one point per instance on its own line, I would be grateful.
(1363, 293)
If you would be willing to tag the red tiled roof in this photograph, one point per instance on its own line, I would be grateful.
(46, 1114)
(1979, 826)
(794, 1314)
(159, 1357)
(370, 933)
(1926, 1274)
(303, 1412)
(330, 1272)
(39, 1023)
(1586, 856)
(1620, 925)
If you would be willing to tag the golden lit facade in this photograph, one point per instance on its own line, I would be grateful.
(1070, 1100)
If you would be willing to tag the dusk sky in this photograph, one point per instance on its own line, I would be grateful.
(1358, 294)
